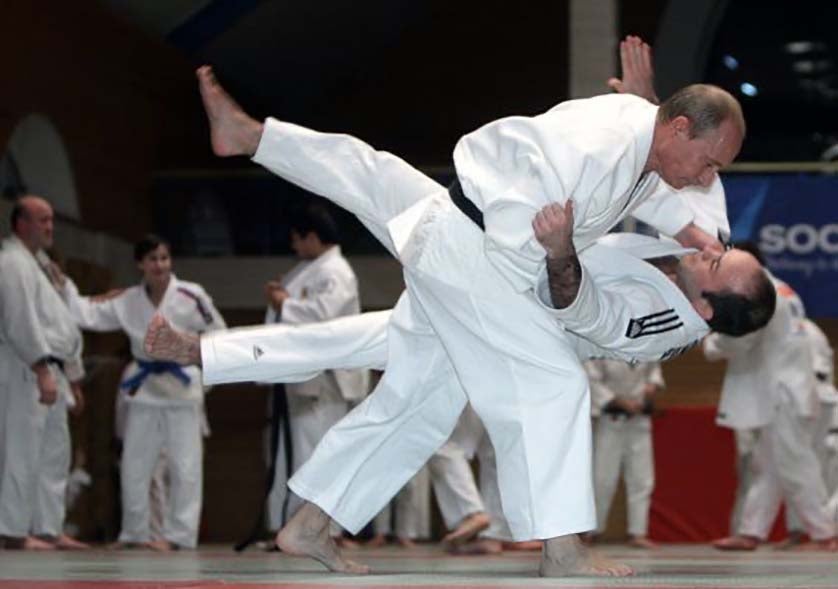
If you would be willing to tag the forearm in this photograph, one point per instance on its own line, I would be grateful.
(564, 275)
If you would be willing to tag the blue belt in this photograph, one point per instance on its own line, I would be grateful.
(154, 367)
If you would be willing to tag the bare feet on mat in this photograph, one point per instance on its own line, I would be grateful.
(828, 545)
(467, 529)
(740, 543)
(476, 548)
(566, 556)
(162, 546)
(164, 342)
(641, 542)
(29, 543)
(307, 534)
(405, 543)
(232, 131)
(65, 542)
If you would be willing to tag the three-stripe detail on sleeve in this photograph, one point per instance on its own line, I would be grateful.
(655, 323)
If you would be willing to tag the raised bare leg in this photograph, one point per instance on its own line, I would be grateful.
(232, 131)
(164, 342)
(566, 556)
(307, 534)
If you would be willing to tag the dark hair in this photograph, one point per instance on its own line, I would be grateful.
(752, 248)
(18, 212)
(737, 314)
(314, 218)
(706, 107)
(148, 244)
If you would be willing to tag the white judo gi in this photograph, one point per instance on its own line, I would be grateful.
(165, 405)
(770, 387)
(622, 441)
(319, 289)
(468, 302)
(35, 442)
(825, 430)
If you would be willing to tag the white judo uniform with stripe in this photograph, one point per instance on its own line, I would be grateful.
(319, 289)
(470, 293)
(165, 405)
(34, 438)
(770, 388)
(294, 354)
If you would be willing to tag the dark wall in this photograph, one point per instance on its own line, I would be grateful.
(123, 103)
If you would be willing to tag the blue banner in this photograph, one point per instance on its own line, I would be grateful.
(793, 218)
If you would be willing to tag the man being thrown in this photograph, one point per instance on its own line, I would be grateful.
(489, 306)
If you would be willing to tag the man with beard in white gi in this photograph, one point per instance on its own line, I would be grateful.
(164, 400)
(320, 287)
(776, 396)
(40, 375)
(469, 294)
(621, 398)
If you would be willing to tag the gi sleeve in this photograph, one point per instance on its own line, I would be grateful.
(95, 316)
(655, 376)
(21, 323)
(605, 315)
(665, 211)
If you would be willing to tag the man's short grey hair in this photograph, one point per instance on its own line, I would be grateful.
(705, 105)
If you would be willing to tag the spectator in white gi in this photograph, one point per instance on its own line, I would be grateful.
(164, 399)
(825, 431)
(320, 287)
(776, 395)
(621, 403)
(40, 376)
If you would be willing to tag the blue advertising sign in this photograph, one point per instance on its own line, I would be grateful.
(793, 218)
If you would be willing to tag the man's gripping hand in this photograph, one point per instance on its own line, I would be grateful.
(553, 227)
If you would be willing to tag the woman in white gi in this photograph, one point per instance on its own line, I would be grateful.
(165, 399)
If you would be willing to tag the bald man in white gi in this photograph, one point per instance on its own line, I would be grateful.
(777, 397)
(40, 375)
(468, 295)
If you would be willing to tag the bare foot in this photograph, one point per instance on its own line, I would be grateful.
(405, 543)
(467, 529)
(828, 545)
(641, 542)
(477, 548)
(162, 546)
(376, 541)
(65, 542)
(566, 556)
(164, 342)
(232, 131)
(307, 534)
(33, 543)
(740, 543)
(528, 546)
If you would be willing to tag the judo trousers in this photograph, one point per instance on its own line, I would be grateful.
(150, 429)
(35, 461)
(462, 323)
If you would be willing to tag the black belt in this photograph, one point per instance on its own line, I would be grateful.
(469, 209)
